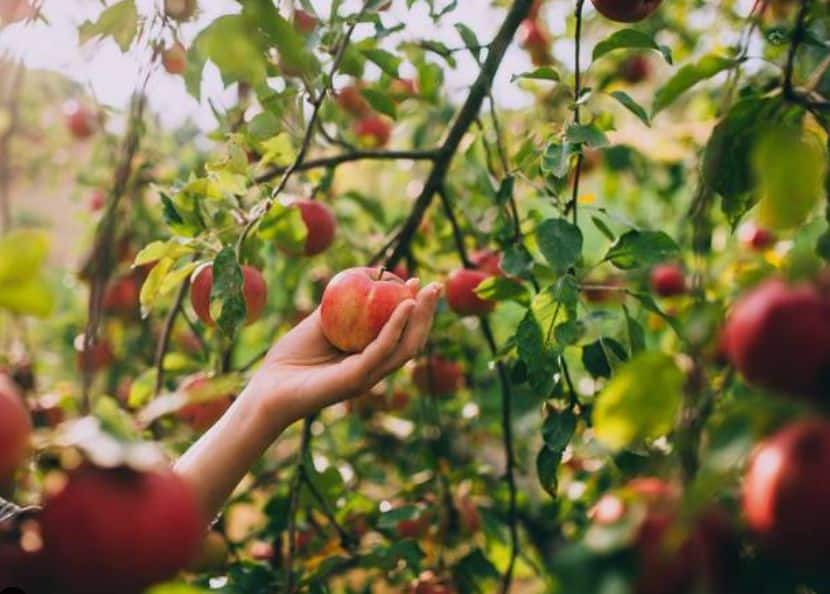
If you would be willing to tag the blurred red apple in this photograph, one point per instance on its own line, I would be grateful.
(14, 11)
(121, 296)
(180, 10)
(320, 225)
(254, 290)
(626, 11)
(437, 375)
(15, 429)
(120, 530)
(79, 120)
(357, 303)
(488, 261)
(461, 296)
(100, 354)
(758, 239)
(402, 88)
(635, 69)
(208, 407)
(97, 200)
(373, 130)
(174, 58)
(351, 100)
(304, 22)
(668, 280)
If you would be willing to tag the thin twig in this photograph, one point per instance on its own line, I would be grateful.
(164, 337)
(574, 203)
(296, 482)
(457, 234)
(346, 539)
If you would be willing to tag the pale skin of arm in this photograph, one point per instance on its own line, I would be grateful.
(301, 374)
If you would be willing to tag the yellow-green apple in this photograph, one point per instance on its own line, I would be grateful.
(254, 291)
(357, 303)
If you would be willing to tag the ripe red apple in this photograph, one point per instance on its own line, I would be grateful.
(320, 225)
(635, 69)
(15, 429)
(357, 303)
(122, 296)
(437, 375)
(531, 35)
(79, 120)
(97, 200)
(786, 492)
(668, 280)
(757, 239)
(100, 354)
(180, 10)
(254, 290)
(174, 58)
(304, 22)
(461, 296)
(208, 407)
(488, 261)
(373, 130)
(120, 530)
(402, 88)
(402, 271)
(351, 100)
(778, 337)
(430, 583)
(535, 8)
(626, 11)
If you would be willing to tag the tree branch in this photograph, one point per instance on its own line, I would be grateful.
(296, 482)
(577, 92)
(164, 337)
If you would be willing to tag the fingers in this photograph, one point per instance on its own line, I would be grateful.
(417, 330)
(374, 357)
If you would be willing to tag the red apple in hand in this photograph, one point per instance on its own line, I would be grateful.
(373, 131)
(778, 337)
(174, 59)
(208, 406)
(120, 530)
(668, 280)
(786, 492)
(437, 375)
(304, 22)
(461, 296)
(15, 429)
(357, 303)
(626, 11)
(80, 121)
(254, 290)
(320, 225)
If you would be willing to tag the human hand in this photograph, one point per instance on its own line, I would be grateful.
(303, 372)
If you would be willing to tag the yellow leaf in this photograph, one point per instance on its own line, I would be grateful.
(151, 286)
(32, 296)
(22, 253)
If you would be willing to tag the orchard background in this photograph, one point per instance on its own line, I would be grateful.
(626, 386)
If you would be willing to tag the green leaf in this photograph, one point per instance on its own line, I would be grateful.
(278, 150)
(547, 465)
(560, 243)
(22, 254)
(640, 402)
(119, 21)
(142, 388)
(587, 134)
(601, 356)
(232, 43)
(152, 284)
(384, 60)
(499, 288)
(469, 38)
(603, 228)
(516, 260)
(31, 296)
(263, 126)
(539, 360)
(688, 76)
(558, 429)
(541, 73)
(629, 39)
(556, 159)
(270, 28)
(227, 292)
(635, 248)
(176, 588)
(157, 250)
(626, 101)
(635, 332)
(283, 224)
(380, 101)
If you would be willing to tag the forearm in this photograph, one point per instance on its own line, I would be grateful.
(218, 461)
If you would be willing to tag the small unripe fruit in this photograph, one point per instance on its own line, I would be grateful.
(668, 280)
(79, 120)
(461, 296)
(320, 226)
(758, 239)
(180, 10)
(209, 406)
(626, 11)
(15, 429)
(356, 305)
(437, 376)
(174, 59)
(351, 100)
(402, 88)
(373, 131)
(304, 22)
(786, 493)
(120, 530)
(254, 290)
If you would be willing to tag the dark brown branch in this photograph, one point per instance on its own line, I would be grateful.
(296, 483)
(346, 539)
(466, 115)
(457, 234)
(164, 337)
(574, 203)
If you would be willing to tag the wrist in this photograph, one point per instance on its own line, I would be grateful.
(257, 407)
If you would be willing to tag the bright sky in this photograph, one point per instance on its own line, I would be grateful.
(111, 76)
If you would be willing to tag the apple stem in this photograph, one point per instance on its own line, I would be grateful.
(381, 270)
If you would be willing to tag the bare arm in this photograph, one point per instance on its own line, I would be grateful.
(300, 375)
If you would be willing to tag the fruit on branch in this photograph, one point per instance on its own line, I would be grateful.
(535, 40)
(635, 69)
(80, 121)
(668, 280)
(757, 239)
(437, 376)
(206, 404)
(488, 261)
(174, 58)
(786, 492)
(97, 200)
(213, 554)
(15, 429)
(180, 10)
(535, 9)
(14, 11)
(461, 296)
(254, 291)
(352, 101)
(430, 583)
(357, 303)
(403, 88)
(121, 296)
(99, 356)
(304, 22)
(626, 11)
(778, 337)
(320, 225)
(120, 530)
(373, 131)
